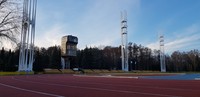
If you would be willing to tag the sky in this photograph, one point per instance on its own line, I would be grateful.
(96, 23)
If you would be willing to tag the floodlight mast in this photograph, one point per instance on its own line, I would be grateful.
(124, 45)
(27, 36)
(162, 54)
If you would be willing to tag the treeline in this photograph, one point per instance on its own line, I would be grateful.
(140, 58)
(44, 58)
(184, 61)
(8, 60)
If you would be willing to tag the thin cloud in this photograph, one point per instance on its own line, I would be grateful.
(154, 45)
(99, 24)
(185, 39)
(50, 37)
(182, 43)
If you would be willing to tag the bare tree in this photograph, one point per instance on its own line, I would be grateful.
(10, 20)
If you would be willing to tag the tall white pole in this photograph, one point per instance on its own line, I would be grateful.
(124, 45)
(162, 54)
(27, 36)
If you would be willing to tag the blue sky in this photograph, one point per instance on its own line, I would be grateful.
(97, 22)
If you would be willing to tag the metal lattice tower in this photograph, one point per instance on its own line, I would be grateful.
(162, 54)
(124, 45)
(27, 36)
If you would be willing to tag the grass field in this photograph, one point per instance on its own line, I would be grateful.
(97, 71)
(15, 73)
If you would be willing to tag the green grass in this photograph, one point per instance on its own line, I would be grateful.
(97, 71)
(56, 71)
(14, 73)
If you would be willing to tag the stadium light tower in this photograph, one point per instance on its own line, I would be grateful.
(162, 54)
(124, 45)
(27, 36)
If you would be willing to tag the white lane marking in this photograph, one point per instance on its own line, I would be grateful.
(100, 89)
(196, 78)
(106, 76)
(43, 93)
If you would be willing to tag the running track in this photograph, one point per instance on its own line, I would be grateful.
(63, 85)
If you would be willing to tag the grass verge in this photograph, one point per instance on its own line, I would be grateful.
(15, 73)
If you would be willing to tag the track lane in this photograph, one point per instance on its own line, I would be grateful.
(71, 86)
(106, 88)
(71, 91)
(153, 84)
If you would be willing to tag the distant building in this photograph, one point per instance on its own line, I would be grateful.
(69, 46)
(68, 50)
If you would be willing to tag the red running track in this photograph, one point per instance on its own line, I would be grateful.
(84, 86)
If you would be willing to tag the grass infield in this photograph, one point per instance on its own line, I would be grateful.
(15, 73)
(96, 71)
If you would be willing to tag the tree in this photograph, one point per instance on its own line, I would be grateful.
(10, 20)
(54, 57)
(2, 59)
(111, 57)
(37, 66)
(10, 65)
(193, 56)
(44, 57)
